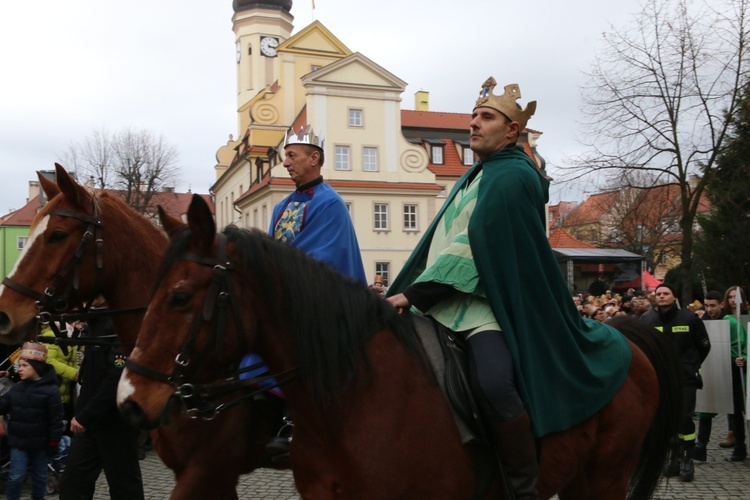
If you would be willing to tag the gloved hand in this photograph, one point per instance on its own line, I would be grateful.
(52, 449)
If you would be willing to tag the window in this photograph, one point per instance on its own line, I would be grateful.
(21, 242)
(370, 159)
(468, 156)
(349, 207)
(314, 67)
(355, 117)
(410, 217)
(384, 269)
(381, 216)
(437, 155)
(342, 158)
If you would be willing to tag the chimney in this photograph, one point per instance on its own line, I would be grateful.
(422, 101)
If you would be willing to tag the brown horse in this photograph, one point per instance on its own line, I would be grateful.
(57, 268)
(370, 419)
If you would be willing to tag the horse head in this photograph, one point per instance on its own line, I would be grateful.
(48, 274)
(195, 301)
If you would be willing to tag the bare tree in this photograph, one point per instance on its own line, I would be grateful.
(644, 221)
(660, 99)
(135, 162)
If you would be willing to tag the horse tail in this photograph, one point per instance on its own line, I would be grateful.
(655, 449)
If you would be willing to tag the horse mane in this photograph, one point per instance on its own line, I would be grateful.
(328, 317)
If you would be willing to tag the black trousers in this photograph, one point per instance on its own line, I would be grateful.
(738, 398)
(493, 377)
(114, 450)
(686, 426)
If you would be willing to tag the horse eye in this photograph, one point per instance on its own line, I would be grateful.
(57, 237)
(180, 299)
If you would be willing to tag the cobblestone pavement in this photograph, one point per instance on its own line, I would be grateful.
(714, 479)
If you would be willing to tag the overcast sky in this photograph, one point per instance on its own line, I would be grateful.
(169, 66)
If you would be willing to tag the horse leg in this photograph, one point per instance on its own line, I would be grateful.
(620, 429)
(208, 457)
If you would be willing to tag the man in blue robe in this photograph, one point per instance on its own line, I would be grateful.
(314, 218)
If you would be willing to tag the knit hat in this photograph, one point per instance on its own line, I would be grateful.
(39, 366)
(668, 286)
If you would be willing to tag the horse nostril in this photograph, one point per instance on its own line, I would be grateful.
(4, 322)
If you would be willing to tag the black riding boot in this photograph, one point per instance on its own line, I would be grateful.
(687, 471)
(673, 465)
(517, 450)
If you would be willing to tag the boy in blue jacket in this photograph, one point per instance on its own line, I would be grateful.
(35, 422)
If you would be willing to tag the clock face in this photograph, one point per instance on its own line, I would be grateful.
(239, 50)
(268, 46)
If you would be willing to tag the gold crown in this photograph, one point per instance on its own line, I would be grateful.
(505, 103)
(306, 135)
(34, 351)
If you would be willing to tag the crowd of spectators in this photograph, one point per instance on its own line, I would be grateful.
(603, 307)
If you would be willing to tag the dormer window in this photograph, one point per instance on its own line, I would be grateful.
(436, 148)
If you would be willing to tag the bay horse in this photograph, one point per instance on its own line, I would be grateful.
(207, 456)
(370, 419)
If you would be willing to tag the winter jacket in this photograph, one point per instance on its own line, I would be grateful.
(688, 333)
(96, 405)
(35, 412)
(66, 365)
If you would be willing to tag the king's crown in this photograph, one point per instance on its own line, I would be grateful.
(505, 103)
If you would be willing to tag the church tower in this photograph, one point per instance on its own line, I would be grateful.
(259, 27)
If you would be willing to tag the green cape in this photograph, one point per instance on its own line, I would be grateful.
(567, 369)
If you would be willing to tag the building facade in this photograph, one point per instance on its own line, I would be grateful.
(392, 167)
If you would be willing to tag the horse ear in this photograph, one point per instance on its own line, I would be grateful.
(71, 189)
(170, 224)
(50, 188)
(201, 222)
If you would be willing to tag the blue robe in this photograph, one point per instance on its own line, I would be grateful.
(316, 220)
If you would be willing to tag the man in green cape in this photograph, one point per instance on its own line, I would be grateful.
(485, 268)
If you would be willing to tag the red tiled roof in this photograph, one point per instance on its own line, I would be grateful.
(175, 204)
(591, 210)
(24, 216)
(560, 238)
(342, 184)
(433, 119)
(452, 165)
(439, 120)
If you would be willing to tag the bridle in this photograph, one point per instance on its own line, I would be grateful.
(220, 298)
(52, 300)
(54, 303)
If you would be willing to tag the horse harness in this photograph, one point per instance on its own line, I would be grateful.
(54, 305)
(50, 301)
(199, 398)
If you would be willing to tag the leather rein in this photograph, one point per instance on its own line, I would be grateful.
(53, 303)
(199, 399)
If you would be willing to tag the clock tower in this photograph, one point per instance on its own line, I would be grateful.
(259, 27)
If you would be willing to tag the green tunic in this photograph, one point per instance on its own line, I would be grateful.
(567, 369)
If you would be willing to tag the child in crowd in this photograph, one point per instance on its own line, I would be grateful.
(35, 422)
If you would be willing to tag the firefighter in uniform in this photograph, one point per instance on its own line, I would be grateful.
(688, 333)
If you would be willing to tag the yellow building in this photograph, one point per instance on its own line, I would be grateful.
(393, 176)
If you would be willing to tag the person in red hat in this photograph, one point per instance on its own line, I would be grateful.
(36, 423)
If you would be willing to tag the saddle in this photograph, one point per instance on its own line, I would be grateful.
(449, 360)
